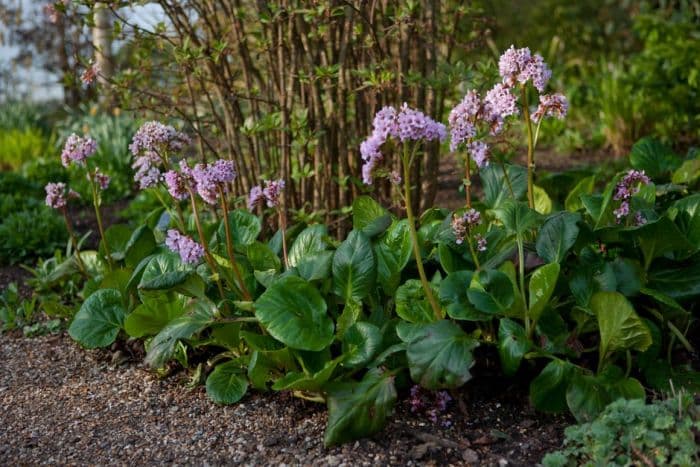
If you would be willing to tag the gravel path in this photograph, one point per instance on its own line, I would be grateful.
(63, 405)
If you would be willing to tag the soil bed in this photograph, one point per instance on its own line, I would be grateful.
(65, 405)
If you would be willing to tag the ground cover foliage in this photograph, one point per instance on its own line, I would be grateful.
(590, 291)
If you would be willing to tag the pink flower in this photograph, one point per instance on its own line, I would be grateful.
(177, 184)
(77, 149)
(272, 191)
(58, 195)
(190, 251)
(519, 65)
(551, 105)
(463, 119)
(102, 179)
(479, 152)
(256, 197)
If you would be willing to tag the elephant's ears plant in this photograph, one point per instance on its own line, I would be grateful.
(587, 299)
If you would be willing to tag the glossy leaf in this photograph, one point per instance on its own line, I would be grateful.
(496, 190)
(491, 292)
(440, 355)
(393, 253)
(620, 326)
(583, 187)
(542, 284)
(244, 226)
(354, 267)
(359, 409)
(412, 304)
(655, 158)
(512, 345)
(165, 272)
(293, 312)
(548, 389)
(517, 217)
(227, 384)
(99, 319)
(557, 235)
(361, 343)
(543, 203)
(369, 216)
(309, 242)
(199, 313)
(453, 297)
(157, 310)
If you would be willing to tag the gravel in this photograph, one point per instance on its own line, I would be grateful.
(65, 405)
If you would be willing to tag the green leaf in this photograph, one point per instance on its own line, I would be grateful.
(359, 409)
(687, 218)
(548, 389)
(309, 242)
(542, 283)
(141, 244)
(350, 315)
(199, 314)
(586, 397)
(652, 156)
(512, 345)
(165, 271)
(557, 235)
(154, 314)
(453, 296)
(517, 217)
(294, 381)
(262, 258)
(496, 189)
(440, 355)
(354, 267)
(245, 228)
(688, 172)
(117, 237)
(99, 319)
(680, 282)
(361, 343)
(261, 342)
(393, 253)
(620, 326)
(583, 187)
(316, 266)
(659, 237)
(226, 384)
(543, 203)
(293, 312)
(369, 216)
(412, 304)
(491, 292)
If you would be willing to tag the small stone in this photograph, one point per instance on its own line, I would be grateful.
(502, 462)
(470, 456)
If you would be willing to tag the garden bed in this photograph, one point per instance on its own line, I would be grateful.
(64, 405)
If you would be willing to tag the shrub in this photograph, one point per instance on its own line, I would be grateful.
(31, 233)
(631, 432)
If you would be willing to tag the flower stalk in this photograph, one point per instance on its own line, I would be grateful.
(229, 248)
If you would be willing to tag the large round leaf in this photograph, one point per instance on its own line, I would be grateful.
(453, 296)
(361, 343)
(557, 236)
(491, 291)
(227, 384)
(99, 320)
(412, 304)
(440, 355)
(165, 271)
(369, 216)
(293, 312)
(359, 409)
(393, 253)
(548, 389)
(309, 242)
(244, 227)
(354, 267)
(154, 314)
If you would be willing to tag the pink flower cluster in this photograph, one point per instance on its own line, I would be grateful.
(150, 144)
(462, 225)
(520, 66)
(625, 189)
(406, 124)
(430, 403)
(270, 194)
(77, 149)
(551, 105)
(500, 102)
(190, 251)
(102, 179)
(205, 179)
(57, 195)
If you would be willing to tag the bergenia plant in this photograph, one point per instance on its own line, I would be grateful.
(411, 129)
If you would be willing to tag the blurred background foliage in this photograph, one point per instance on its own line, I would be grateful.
(289, 88)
